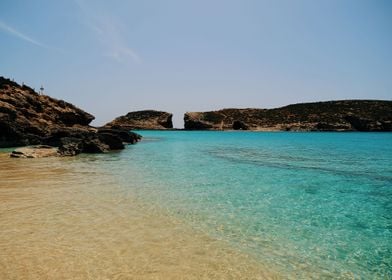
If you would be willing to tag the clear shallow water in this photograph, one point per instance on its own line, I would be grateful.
(309, 205)
(304, 205)
(69, 218)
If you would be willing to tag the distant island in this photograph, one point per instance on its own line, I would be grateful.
(342, 115)
(146, 119)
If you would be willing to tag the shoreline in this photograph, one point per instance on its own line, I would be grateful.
(64, 223)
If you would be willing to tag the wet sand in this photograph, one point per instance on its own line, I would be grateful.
(61, 218)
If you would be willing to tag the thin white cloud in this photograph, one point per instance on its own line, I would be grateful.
(118, 53)
(12, 31)
(107, 32)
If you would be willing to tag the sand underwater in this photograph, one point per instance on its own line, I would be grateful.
(61, 218)
(203, 205)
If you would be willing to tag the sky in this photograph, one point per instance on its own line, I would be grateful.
(113, 57)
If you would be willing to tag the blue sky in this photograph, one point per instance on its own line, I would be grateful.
(112, 57)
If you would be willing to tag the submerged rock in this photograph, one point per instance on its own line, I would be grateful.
(147, 119)
(345, 115)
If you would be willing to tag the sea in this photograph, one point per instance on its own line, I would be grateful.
(203, 205)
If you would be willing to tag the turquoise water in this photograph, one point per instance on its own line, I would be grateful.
(307, 204)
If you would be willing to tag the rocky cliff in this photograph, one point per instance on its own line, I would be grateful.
(28, 118)
(147, 119)
(344, 115)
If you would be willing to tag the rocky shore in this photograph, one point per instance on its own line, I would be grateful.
(29, 118)
(344, 115)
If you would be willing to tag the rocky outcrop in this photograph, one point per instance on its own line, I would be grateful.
(28, 118)
(147, 119)
(344, 115)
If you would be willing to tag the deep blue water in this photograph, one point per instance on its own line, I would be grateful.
(310, 205)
